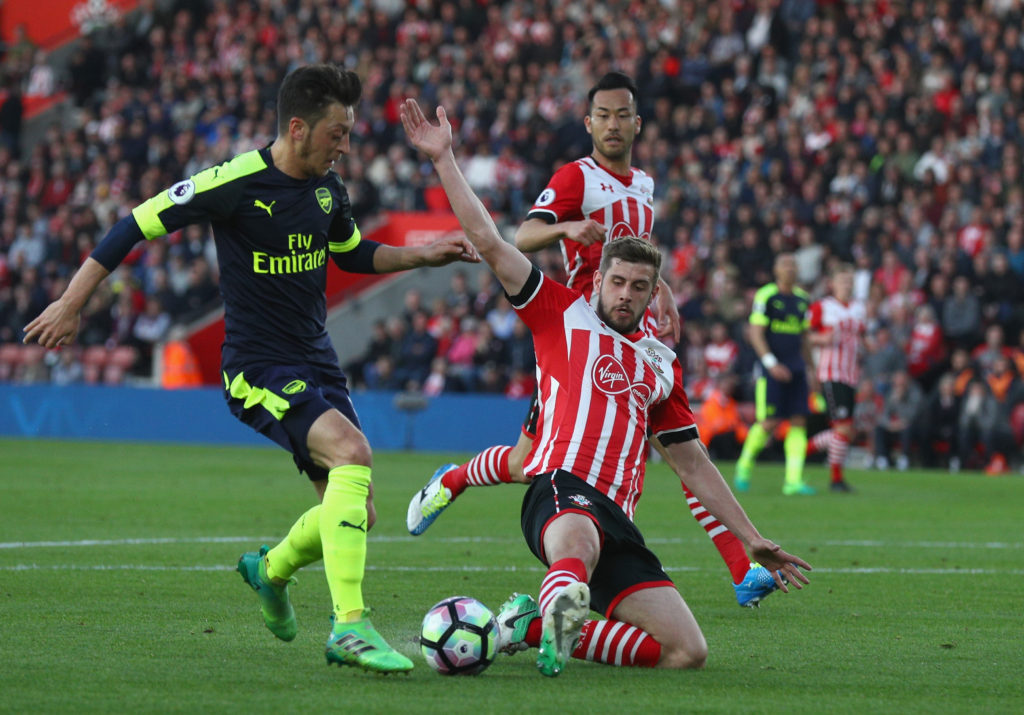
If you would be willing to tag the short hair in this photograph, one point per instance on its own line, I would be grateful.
(631, 249)
(613, 80)
(843, 267)
(307, 92)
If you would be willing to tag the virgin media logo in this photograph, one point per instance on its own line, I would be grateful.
(610, 378)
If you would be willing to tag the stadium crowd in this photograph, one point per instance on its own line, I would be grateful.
(883, 133)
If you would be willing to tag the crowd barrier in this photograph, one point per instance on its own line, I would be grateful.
(448, 423)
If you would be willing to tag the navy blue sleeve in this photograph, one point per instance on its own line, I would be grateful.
(358, 259)
(118, 243)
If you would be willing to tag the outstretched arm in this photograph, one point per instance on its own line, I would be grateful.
(58, 324)
(435, 140)
(690, 462)
(534, 234)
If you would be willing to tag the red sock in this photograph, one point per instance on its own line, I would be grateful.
(617, 643)
(561, 574)
(819, 442)
(486, 469)
(729, 547)
(837, 450)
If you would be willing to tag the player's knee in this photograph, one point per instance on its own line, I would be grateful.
(351, 450)
(684, 656)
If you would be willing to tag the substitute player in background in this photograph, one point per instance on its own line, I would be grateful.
(277, 214)
(597, 198)
(778, 327)
(837, 329)
(603, 383)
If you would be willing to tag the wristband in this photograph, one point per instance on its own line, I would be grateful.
(769, 361)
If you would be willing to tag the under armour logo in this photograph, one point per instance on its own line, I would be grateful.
(357, 527)
(607, 187)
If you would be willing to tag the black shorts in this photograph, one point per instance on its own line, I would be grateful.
(626, 564)
(282, 402)
(530, 423)
(840, 399)
(774, 399)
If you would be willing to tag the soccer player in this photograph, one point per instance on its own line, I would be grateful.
(587, 201)
(837, 328)
(778, 333)
(277, 214)
(603, 382)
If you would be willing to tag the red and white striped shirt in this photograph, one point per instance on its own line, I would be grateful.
(838, 361)
(584, 189)
(598, 392)
(720, 357)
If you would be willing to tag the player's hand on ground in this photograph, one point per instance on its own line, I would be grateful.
(784, 566)
(55, 326)
(585, 232)
(781, 373)
(448, 250)
(432, 139)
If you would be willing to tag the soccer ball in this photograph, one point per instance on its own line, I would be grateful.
(459, 636)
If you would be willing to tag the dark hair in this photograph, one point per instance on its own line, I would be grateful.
(307, 92)
(614, 80)
(631, 249)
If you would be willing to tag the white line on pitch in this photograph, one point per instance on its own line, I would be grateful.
(493, 569)
(476, 540)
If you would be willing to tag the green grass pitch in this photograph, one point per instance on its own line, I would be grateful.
(118, 592)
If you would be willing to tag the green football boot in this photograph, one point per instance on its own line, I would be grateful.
(360, 645)
(277, 609)
(741, 478)
(514, 620)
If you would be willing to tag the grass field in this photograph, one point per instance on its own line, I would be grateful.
(118, 593)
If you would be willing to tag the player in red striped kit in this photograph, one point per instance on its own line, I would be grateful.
(604, 382)
(837, 329)
(587, 202)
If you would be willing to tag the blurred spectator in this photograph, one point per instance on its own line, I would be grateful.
(867, 412)
(984, 356)
(926, 351)
(42, 80)
(502, 318)
(882, 357)
(416, 355)
(721, 351)
(961, 315)
(894, 433)
(12, 111)
(985, 437)
(721, 428)
(435, 383)
(68, 368)
(938, 424)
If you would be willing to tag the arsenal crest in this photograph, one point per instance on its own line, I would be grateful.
(323, 197)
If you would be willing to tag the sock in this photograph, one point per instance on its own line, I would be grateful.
(837, 456)
(343, 533)
(795, 448)
(729, 547)
(820, 442)
(301, 547)
(561, 573)
(617, 643)
(756, 439)
(486, 469)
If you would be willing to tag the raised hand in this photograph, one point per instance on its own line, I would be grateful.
(433, 140)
